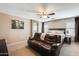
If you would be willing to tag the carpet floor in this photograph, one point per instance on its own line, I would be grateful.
(24, 52)
(70, 50)
(66, 50)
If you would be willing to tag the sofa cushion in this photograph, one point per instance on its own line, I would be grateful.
(36, 42)
(37, 36)
(46, 46)
(50, 38)
(47, 42)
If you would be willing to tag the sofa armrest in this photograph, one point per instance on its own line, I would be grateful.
(55, 45)
(30, 38)
(55, 49)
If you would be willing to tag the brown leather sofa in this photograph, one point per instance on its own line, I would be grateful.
(50, 46)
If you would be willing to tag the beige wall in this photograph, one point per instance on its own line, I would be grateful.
(16, 38)
(56, 24)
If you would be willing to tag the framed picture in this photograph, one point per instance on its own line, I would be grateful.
(17, 24)
(21, 25)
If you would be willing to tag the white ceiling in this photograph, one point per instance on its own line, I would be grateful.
(29, 10)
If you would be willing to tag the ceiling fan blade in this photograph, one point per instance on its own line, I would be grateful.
(51, 14)
(32, 11)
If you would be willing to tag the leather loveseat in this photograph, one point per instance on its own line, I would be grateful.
(50, 46)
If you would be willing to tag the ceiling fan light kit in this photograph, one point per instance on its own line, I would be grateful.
(44, 16)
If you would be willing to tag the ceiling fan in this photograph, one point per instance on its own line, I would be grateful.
(45, 14)
(42, 11)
